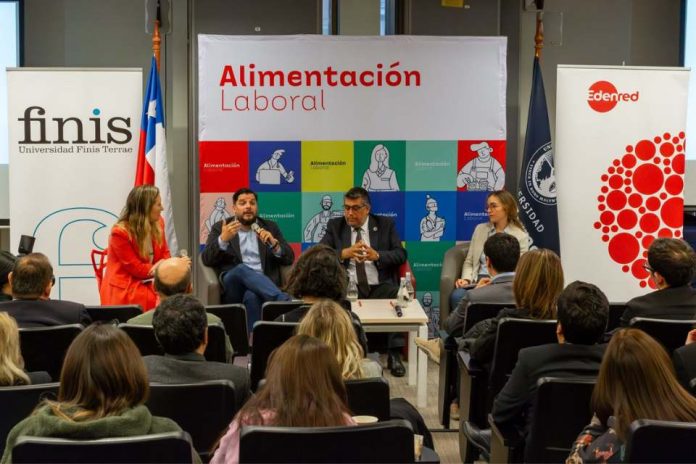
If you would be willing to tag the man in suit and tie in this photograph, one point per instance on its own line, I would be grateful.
(671, 264)
(247, 252)
(370, 248)
(31, 282)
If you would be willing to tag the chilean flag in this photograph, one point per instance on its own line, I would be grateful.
(152, 152)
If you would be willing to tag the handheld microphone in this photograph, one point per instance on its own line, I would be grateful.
(257, 229)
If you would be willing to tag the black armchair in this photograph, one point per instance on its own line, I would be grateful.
(369, 397)
(121, 313)
(267, 337)
(18, 402)
(670, 333)
(661, 441)
(44, 348)
(234, 318)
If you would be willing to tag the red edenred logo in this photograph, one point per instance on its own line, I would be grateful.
(603, 96)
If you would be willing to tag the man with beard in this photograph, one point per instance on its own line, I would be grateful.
(247, 252)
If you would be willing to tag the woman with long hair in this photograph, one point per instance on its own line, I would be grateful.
(330, 323)
(636, 381)
(502, 211)
(11, 362)
(536, 286)
(7, 262)
(303, 388)
(137, 243)
(103, 388)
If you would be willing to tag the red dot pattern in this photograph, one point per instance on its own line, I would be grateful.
(641, 199)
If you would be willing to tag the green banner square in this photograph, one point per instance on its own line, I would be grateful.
(283, 208)
(426, 263)
(431, 165)
(380, 165)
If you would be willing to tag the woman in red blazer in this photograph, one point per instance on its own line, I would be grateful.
(136, 245)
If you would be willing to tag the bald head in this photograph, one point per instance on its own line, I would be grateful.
(172, 276)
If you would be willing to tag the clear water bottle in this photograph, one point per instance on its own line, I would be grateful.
(409, 287)
(352, 291)
(402, 297)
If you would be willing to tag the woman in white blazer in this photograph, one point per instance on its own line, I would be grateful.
(501, 207)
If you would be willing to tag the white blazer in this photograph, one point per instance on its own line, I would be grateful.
(472, 263)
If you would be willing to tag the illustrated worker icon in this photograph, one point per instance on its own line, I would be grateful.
(316, 227)
(432, 226)
(379, 177)
(269, 172)
(483, 172)
(217, 214)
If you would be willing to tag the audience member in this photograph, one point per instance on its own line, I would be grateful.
(538, 282)
(671, 264)
(247, 253)
(501, 207)
(103, 388)
(172, 277)
(7, 262)
(181, 329)
(31, 281)
(684, 360)
(636, 381)
(583, 314)
(136, 245)
(370, 249)
(303, 388)
(11, 362)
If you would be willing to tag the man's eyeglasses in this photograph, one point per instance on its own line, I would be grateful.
(648, 268)
(353, 208)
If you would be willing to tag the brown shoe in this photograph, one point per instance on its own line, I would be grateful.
(431, 348)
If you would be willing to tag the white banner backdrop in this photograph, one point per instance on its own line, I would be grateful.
(620, 171)
(336, 88)
(73, 142)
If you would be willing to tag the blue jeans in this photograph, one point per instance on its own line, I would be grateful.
(244, 285)
(456, 296)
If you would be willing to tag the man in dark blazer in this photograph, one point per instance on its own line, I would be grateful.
(247, 252)
(671, 264)
(370, 249)
(181, 328)
(31, 281)
(583, 314)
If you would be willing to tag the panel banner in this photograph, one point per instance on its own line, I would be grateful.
(73, 139)
(620, 171)
(417, 121)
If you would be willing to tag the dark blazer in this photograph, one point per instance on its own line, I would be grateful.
(383, 238)
(498, 291)
(483, 347)
(223, 261)
(513, 405)
(684, 359)
(192, 368)
(45, 313)
(38, 377)
(668, 303)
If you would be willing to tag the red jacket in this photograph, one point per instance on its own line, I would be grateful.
(126, 270)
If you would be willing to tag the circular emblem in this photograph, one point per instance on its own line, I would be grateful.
(540, 176)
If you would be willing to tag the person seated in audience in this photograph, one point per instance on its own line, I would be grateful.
(318, 275)
(31, 281)
(303, 388)
(684, 360)
(583, 315)
(181, 329)
(11, 363)
(173, 277)
(136, 245)
(502, 252)
(671, 264)
(636, 381)
(501, 208)
(7, 262)
(103, 388)
(538, 282)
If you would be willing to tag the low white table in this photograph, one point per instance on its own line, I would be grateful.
(380, 316)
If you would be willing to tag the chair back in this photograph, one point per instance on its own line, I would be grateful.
(173, 447)
(661, 441)
(616, 310)
(670, 333)
(18, 402)
(369, 397)
(390, 441)
(562, 410)
(203, 409)
(234, 318)
(121, 313)
(44, 348)
(98, 257)
(477, 312)
(513, 335)
(267, 337)
(271, 310)
(144, 338)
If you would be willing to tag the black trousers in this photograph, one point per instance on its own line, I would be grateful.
(376, 341)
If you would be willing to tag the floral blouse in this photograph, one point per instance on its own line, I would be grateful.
(597, 443)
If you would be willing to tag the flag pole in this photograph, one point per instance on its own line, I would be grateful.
(539, 36)
(156, 41)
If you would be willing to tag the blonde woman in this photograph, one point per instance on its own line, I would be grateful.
(11, 362)
(330, 323)
(136, 245)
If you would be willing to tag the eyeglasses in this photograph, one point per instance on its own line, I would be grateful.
(353, 208)
(648, 268)
(491, 207)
